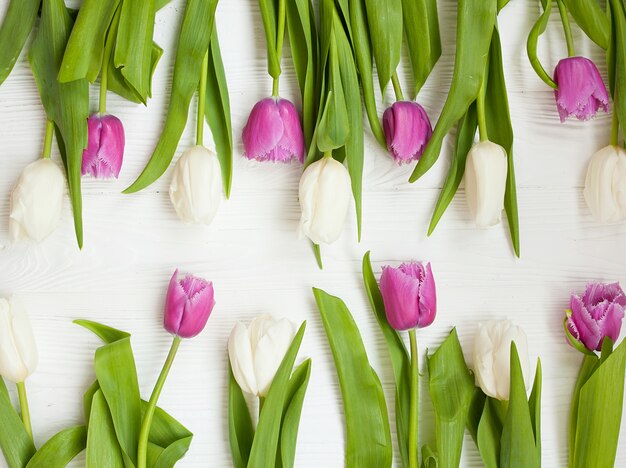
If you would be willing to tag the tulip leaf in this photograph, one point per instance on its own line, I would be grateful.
(368, 439)
(161, 3)
(168, 436)
(104, 332)
(103, 449)
(429, 457)
(589, 365)
(66, 104)
(488, 435)
(61, 448)
(475, 24)
(269, 15)
(385, 19)
(534, 405)
(118, 84)
(217, 111)
(533, 38)
(18, 22)
(17, 446)
(240, 430)
(291, 414)
(591, 19)
(267, 438)
(400, 359)
(616, 57)
(193, 44)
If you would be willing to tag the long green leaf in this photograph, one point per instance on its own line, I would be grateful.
(171, 437)
(367, 424)
(17, 446)
(534, 405)
(589, 365)
(488, 436)
(591, 19)
(60, 449)
(19, 21)
(269, 15)
(103, 449)
(429, 457)
(240, 430)
(292, 412)
(531, 45)
(104, 332)
(618, 50)
(475, 24)
(384, 18)
(118, 84)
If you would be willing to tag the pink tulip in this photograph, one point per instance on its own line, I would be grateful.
(407, 131)
(409, 295)
(273, 132)
(105, 147)
(596, 315)
(581, 91)
(188, 304)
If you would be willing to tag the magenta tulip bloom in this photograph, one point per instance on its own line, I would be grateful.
(105, 147)
(188, 304)
(407, 131)
(581, 91)
(597, 314)
(273, 132)
(409, 295)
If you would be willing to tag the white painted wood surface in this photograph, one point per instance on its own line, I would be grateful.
(251, 252)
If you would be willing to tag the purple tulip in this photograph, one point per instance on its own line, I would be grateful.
(407, 131)
(409, 295)
(273, 132)
(188, 304)
(581, 91)
(105, 147)
(597, 314)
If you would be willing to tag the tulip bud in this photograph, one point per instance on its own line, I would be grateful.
(492, 357)
(485, 182)
(409, 295)
(105, 147)
(407, 131)
(36, 201)
(273, 132)
(257, 351)
(596, 315)
(196, 188)
(188, 305)
(324, 194)
(605, 185)
(18, 350)
(581, 91)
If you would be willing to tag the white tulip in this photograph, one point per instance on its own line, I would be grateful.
(18, 351)
(492, 357)
(324, 194)
(605, 185)
(196, 188)
(36, 201)
(485, 182)
(257, 351)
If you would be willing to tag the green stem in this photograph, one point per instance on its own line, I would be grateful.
(21, 391)
(614, 125)
(47, 142)
(147, 419)
(280, 37)
(396, 87)
(104, 74)
(201, 100)
(480, 110)
(413, 412)
(567, 29)
(261, 403)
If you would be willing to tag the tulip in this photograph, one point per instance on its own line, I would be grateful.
(596, 315)
(605, 185)
(105, 147)
(324, 194)
(407, 131)
(188, 305)
(409, 295)
(18, 351)
(196, 188)
(257, 351)
(581, 91)
(273, 132)
(36, 201)
(492, 357)
(485, 182)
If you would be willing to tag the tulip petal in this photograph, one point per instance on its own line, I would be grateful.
(241, 360)
(198, 307)
(270, 351)
(174, 305)
(104, 154)
(292, 141)
(263, 131)
(401, 296)
(407, 131)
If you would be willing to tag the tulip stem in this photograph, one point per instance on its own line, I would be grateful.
(567, 29)
(202, 99)
(413, 411)
(280, 37)
(396, 86)
(480, 110)
(614, 126)
(21, 391)
(47, 142)
(104, 75)
(147, 419)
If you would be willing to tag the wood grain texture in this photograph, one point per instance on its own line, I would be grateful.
(133, 244)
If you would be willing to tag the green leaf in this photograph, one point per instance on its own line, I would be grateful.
(600, 412)
(217, 111)
(269, 16)
(60, 449)
(240, 430)
(169, 435)
(66, 104)
(292, 412)
(618, 61)
(267, 437)
(400, 359)
(534, 406)
(429, 457)
(88, 400)
(16, 444)
(193, 44)
(19, 21)
(466, 131)
(475, 24)
(531, 45)
(589, 365)
(451, 390)
(103, 449)
(591, 19)
(367, 425)
(104, 332)
(488, 435)
(118, 84)
(385, 24)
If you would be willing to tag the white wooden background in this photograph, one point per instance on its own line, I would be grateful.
(251, 252)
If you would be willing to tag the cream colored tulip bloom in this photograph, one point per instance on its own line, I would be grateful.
(18, 350)
(605, 185)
